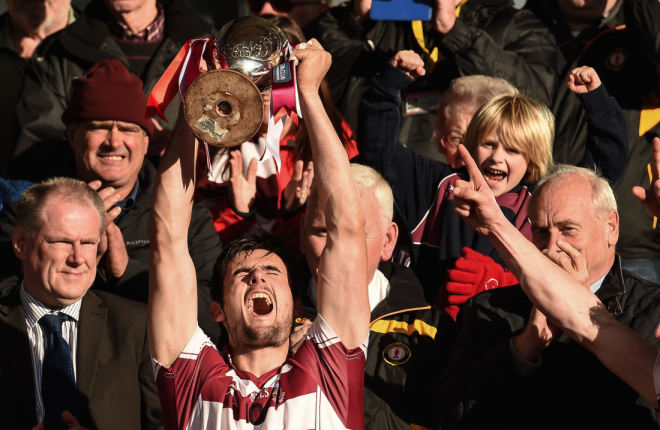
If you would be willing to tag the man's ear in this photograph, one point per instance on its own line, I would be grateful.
(216, 312)
(71, 134)
(18, 242)
(613, 228)
(391, 236)
(146, 144)
(297, 308)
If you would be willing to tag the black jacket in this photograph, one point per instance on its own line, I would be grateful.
(409, 344)
(624, 49)
(203, 243)
(114, 376)
(430, 229)
(487, 386)
(490, 38)
(41, 149)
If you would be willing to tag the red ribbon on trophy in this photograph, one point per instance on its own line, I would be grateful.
(283, 102)
(180, 74)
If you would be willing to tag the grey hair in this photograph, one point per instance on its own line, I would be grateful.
(367, 179)
(34, 199)
(602, 195)
(472, 90)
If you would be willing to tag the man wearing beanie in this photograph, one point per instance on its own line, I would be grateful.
(145, 35)
(109, 137)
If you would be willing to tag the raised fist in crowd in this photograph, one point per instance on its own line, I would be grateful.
(410, 63)
(583, 80)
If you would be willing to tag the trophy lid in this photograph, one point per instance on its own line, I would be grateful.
(252, 46)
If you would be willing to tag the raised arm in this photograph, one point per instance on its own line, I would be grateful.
(172, 318)
(562, 299)
(342, 289)
(414, 178)
(607, 128)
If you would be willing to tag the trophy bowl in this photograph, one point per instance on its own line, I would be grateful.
(224, 107)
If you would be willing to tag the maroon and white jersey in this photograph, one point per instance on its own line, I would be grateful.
(318, 387)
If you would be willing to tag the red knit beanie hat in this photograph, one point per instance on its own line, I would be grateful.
(109, 92)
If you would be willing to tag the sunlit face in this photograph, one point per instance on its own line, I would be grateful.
(564, 210)
(38, 14)
(451, 132)
(381, 234)
(503, 167)
(258, 305)
(109, 151)
(59, 263)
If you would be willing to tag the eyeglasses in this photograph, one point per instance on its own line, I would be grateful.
(255, 6)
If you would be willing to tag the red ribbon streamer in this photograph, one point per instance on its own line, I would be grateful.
(283, 95)
(168, 85)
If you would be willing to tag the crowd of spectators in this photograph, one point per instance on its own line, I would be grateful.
(462, 234)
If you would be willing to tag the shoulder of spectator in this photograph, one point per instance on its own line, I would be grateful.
(641, 302)
(124, 313)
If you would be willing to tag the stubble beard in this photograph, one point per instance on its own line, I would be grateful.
(273, 336)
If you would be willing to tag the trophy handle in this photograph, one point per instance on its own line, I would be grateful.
(223, 108)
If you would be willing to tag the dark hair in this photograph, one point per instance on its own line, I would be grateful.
(247, 245)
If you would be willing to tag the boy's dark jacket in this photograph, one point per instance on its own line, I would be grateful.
(409, 344)
(431, 230)
(486, 387)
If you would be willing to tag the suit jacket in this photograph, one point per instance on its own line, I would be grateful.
(116, 385)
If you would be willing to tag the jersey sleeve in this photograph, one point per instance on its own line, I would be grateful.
(338, 371)
(180, 386)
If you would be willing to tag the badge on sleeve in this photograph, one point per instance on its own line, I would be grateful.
(617, 59)
(396, 353)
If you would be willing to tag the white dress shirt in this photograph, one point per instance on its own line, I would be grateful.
(34, 310)
(596, 285)
(379, 288)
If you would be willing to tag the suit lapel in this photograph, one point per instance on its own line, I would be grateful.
(91, 330)
(13, 332)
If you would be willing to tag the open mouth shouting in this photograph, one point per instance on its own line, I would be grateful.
(493, 176)
(259, 303)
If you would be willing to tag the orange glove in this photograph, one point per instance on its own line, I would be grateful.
(472, 274)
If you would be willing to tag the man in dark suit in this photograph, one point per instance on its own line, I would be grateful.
(71, 358)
